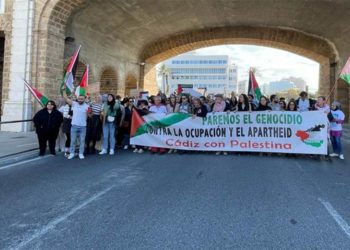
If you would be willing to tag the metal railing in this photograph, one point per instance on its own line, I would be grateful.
(17, 121)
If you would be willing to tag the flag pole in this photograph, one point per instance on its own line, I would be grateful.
(332, 90)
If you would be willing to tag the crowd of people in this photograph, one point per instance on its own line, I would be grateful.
(103, 122)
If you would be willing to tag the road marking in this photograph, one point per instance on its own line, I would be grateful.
(23, 162)
(28, 144)
(51, 225)
(336, 216)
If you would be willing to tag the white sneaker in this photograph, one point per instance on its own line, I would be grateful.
(341, 157)
(103, 152)
(333, 155)
(70, 157)
(81, 157)
(217, 153)
(136, 150)
(111, 152)
(126, 147)
(170, 151)
(140, 151)
(225, 153)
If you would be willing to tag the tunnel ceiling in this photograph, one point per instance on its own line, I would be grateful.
(138, 23)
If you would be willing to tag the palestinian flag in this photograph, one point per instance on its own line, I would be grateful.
(142, 122)
(136, 122)
(69, 76)
(345, 73)
(179, 89)
(253, 86)
(84, 83)
(37, 95)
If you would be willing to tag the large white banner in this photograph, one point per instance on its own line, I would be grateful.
(280, 132)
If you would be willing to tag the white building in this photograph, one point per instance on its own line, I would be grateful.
(216, 73)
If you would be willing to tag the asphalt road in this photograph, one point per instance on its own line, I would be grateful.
(190, 201)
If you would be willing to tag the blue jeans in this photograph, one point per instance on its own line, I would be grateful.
(109, 135)
(75, 131)
(336, 144)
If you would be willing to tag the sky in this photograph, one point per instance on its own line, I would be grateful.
(273, 64)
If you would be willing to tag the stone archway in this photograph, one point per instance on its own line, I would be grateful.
(109, 81)
(152, 45)
(130, 84)
(315, 48)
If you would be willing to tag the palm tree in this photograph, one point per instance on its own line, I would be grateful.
(164, 72)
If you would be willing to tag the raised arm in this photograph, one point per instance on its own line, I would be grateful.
(66, 98)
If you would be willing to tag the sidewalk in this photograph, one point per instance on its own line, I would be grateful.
(12, 143)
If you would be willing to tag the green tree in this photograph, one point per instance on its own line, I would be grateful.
(164, 72)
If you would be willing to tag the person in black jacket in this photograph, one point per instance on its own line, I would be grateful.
(47, 124)
(263, 104)
(199, 110)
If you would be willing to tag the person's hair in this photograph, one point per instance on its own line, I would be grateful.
(187, 97)
(295, 106)
(337, 104)
(303, 93)
(250, 95)
(266, 99)
(118, 97)
(125, 100)
(52, 103)
(196, 100)
(272, 97)
(145, 102)
(284, 104)
(173, 104)
(233, 99)
(111, 103)
(245, 101)
(322, 97)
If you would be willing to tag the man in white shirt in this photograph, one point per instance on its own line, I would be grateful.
(304, 103)
(80, 112)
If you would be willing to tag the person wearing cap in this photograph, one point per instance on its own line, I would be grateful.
(336, 118)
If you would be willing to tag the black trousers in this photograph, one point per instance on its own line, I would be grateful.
(67, 145)
(43, 138)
